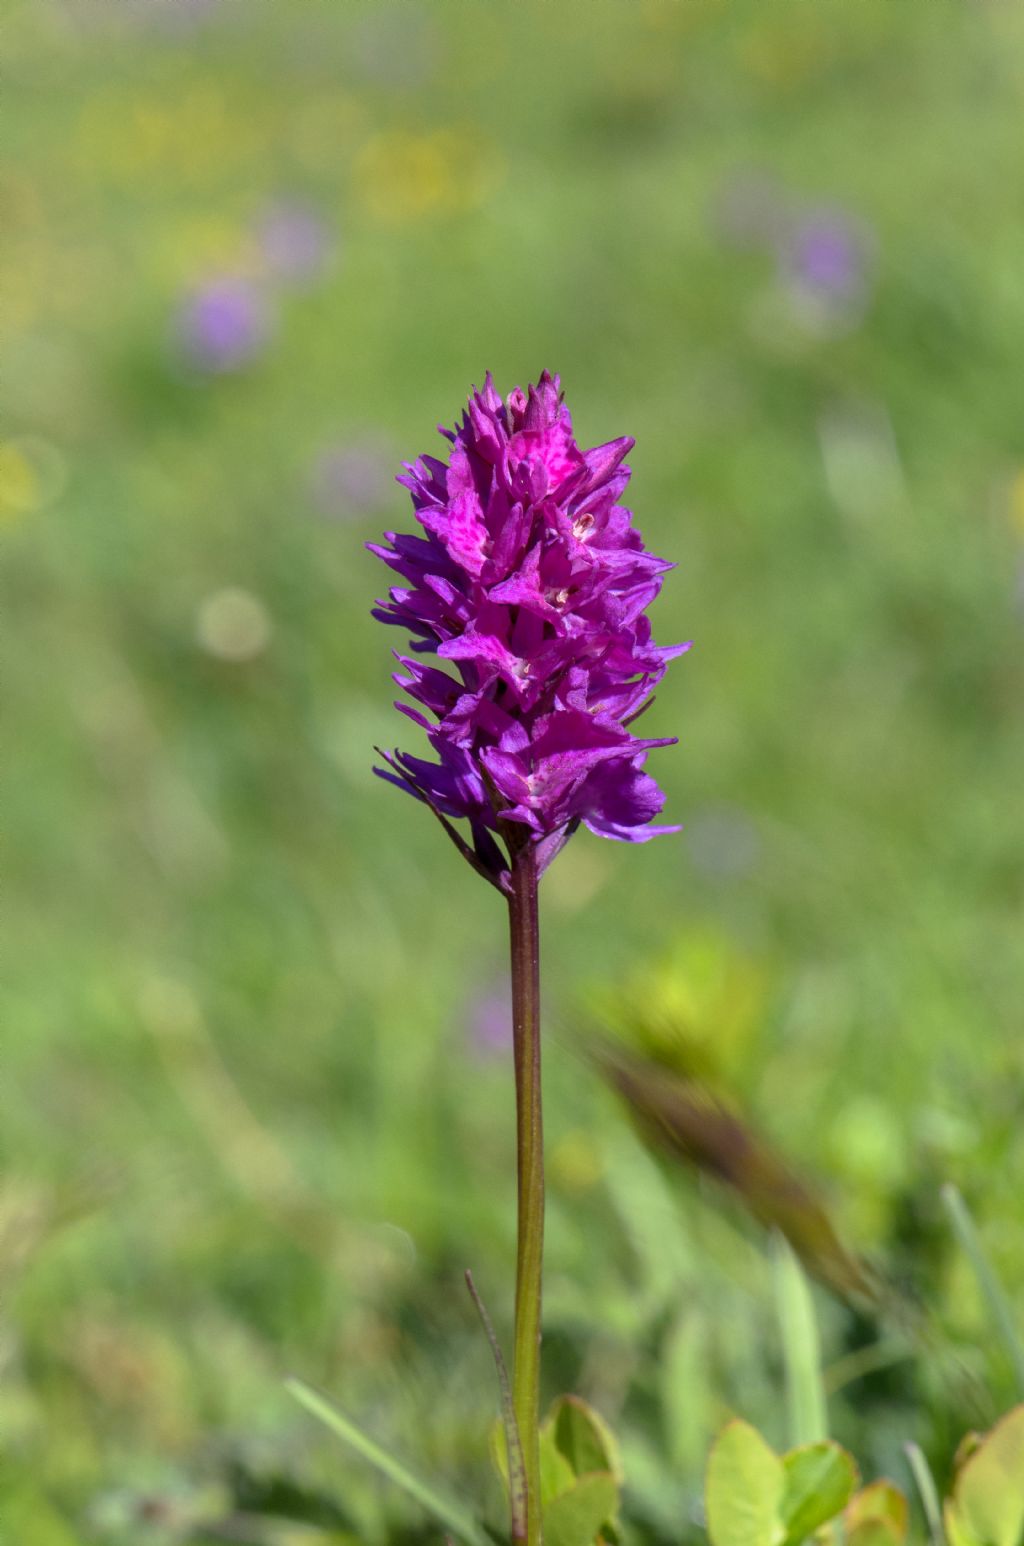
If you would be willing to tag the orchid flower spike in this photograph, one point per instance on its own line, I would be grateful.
(530, 584)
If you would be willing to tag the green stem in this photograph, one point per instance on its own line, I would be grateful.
(525, 940)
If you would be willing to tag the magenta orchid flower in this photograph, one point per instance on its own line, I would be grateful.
(530, 585)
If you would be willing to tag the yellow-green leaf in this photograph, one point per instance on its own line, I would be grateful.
(746, 1481)
(883, 1502)
(873, 1532)
(575, 1517)
(556, 1474)
(819, 1480)
(585, 1439)
(987, 1506)
(956, 1534)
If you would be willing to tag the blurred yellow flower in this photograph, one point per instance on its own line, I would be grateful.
(781, 56)
(126, 135)
(19, 486)
(401, 176)
(32, 474)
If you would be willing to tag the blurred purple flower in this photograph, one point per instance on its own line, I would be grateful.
(351, 479)
(294, 241)
(824, 254)
(826, 257)
(531, 584)
(223, 325)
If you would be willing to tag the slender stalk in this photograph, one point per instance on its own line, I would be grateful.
(525, 941)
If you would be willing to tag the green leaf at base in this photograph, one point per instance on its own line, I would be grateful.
(585, 1439)
(987, 1506)
(820, 1479)
(746, 1482)
(883, 1503)
(575, 1517)
(873, 1532)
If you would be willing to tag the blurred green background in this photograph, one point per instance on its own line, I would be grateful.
(256, 1095)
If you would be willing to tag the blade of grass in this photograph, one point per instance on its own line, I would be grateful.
(449, 1514)
(991, 1288)
(928, 1493)
(801, 1349)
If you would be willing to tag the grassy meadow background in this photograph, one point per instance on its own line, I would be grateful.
(255, 1086)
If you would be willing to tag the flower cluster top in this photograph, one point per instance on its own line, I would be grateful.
(530, 583)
